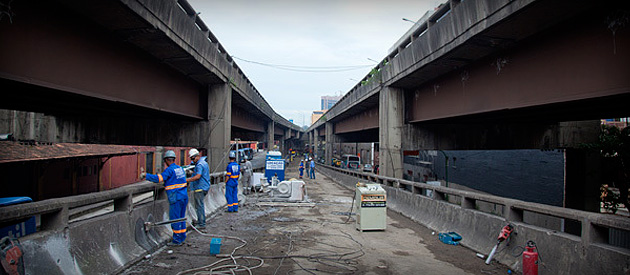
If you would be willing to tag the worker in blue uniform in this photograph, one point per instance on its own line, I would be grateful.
(199, 184)
(301, 168)
(231, 183)
(174, 179)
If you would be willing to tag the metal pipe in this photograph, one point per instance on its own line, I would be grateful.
(445, 167)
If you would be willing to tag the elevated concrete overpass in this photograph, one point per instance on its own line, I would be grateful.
(127, 72)
(65, 99)
(490, 75)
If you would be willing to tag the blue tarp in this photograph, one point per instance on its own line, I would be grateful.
(21, 227)
(14, 200)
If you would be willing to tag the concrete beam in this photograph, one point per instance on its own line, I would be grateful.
(493, 136)
(365, 120)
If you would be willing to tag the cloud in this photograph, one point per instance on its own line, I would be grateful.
(307, 33)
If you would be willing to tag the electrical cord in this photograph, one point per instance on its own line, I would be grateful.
(231, 268)
(540, 260)
(328, 69)
(223, 158)
(287, 254)
(340, 263)
(351, 206)
(337, 263)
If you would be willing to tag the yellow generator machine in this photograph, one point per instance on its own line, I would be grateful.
(371, 207)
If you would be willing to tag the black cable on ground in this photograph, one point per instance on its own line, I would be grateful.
(351, 206)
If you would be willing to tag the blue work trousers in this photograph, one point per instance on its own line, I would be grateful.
(312, 173)
(177, 210)
(200, 196)
(231, 195)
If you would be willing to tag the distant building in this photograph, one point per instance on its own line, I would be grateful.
(329, 101)
(617, 122)
(316, 115)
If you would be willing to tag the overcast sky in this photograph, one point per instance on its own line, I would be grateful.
(308, 35)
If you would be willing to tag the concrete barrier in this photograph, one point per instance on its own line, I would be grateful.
(562, 253)
(106, 241)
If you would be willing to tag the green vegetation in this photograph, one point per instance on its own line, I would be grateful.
(614, 147)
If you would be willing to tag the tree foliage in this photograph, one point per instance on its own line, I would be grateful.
(614, 147)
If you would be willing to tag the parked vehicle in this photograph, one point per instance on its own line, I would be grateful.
(241, 154)
(351, 162)
(248, 152)
(367, 167)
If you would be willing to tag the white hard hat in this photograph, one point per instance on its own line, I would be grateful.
(193, 152)
(169, 154)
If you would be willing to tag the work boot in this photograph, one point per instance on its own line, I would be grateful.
(174, 244)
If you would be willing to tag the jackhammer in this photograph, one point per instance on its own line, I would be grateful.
(505, 233)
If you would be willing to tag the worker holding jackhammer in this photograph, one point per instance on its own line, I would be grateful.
(174, 179)
(199, 184)
(233, 171)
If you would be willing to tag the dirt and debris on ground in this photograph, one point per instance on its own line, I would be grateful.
(316, 237)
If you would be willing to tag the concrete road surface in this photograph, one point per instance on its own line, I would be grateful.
(318, 237)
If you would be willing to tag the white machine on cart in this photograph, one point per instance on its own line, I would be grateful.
(290, 190)
(371, 207)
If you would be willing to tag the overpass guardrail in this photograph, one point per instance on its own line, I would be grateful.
(570, 241)
(54, 214)
(97, 233)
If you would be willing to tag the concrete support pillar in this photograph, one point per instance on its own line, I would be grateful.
(330, 140)
(316, 143)
(310, 139)
(285, 142)
(270, 135)
(220, 125)
(391, 120)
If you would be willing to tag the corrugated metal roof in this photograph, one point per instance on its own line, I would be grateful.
(12, 151)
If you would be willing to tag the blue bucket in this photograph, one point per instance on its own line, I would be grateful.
(215, 246)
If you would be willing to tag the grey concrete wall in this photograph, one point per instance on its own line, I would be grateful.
(561, 253)
(477, 136)
(101, 129)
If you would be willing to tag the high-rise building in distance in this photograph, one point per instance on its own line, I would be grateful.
(316, 115)
(329, 101)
